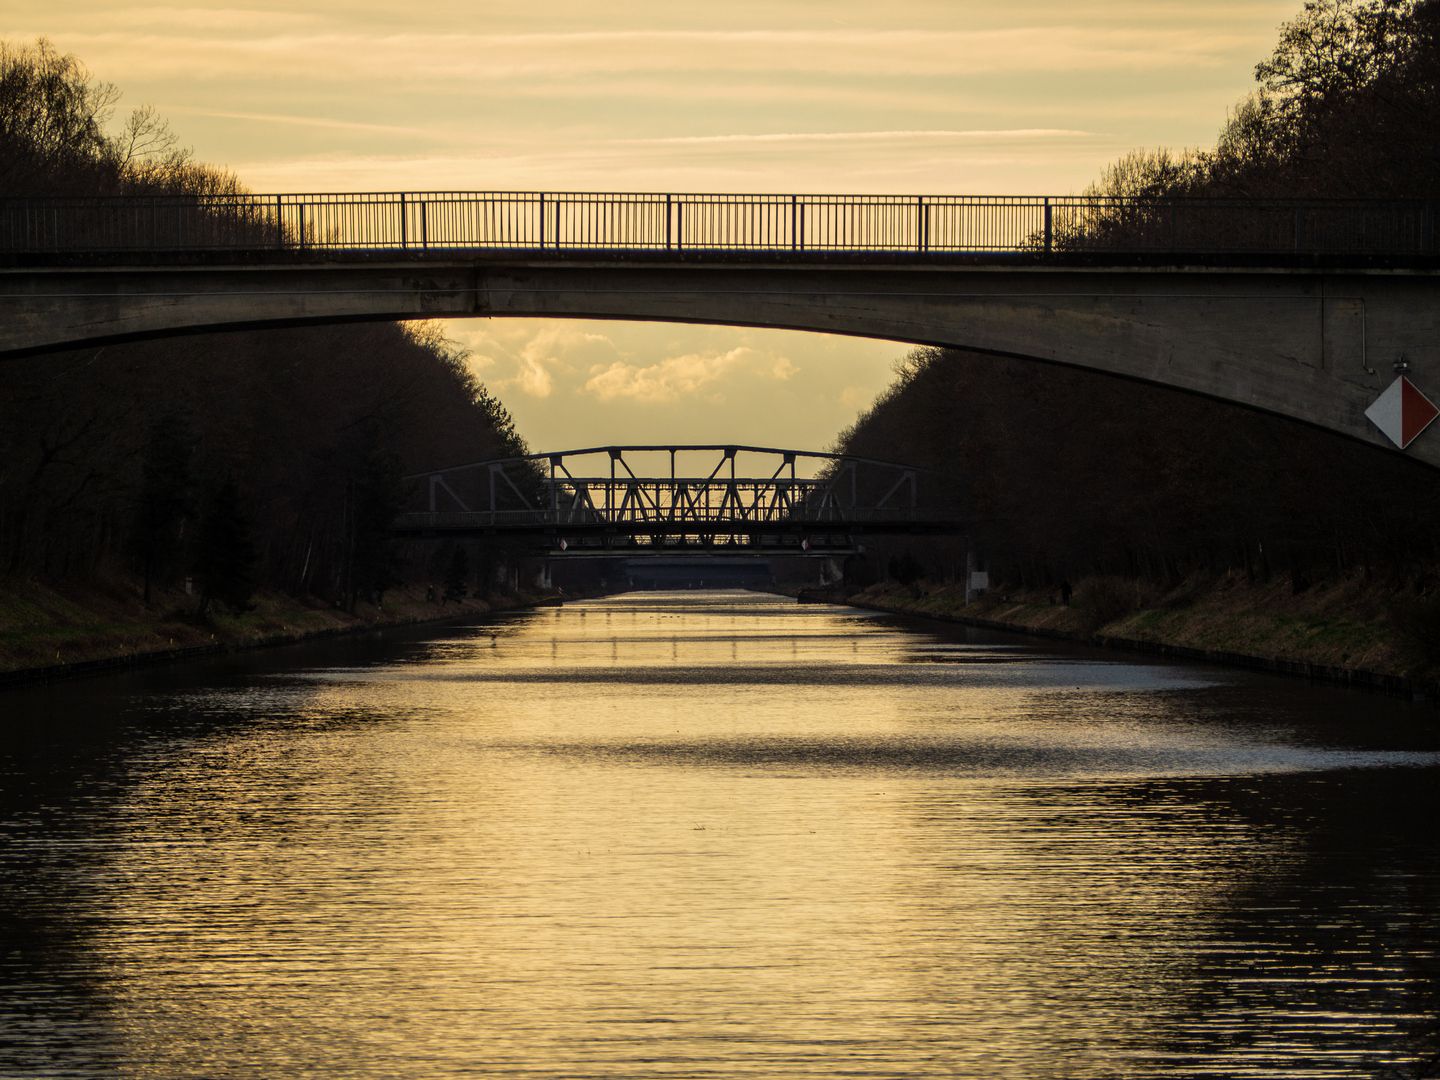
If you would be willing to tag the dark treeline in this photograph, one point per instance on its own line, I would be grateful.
(1348, 106)
(54, 140)
(239, 459)
(1065, 473)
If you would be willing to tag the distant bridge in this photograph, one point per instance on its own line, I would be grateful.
(1303, 308)
(562, 502)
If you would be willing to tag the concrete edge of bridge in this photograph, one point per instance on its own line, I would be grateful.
(311, 258)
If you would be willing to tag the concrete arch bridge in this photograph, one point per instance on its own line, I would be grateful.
(1304, 308)
(676, 500)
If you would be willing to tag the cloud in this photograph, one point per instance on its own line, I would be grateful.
(1008, 161)
(537, 356)
(853, 136)
(226, 19)
(335, 55)
(534, 378)
(667, 380)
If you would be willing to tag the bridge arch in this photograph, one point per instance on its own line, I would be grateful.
(1314, 337)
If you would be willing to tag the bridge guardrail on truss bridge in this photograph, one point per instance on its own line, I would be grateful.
(576, 221)
(539, 494)
(637, 522)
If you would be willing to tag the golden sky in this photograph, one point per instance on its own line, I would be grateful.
(912, 96)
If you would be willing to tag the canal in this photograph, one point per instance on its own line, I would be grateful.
(714, 835)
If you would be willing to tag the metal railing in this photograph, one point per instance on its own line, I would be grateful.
(541, 221)
(541, 493)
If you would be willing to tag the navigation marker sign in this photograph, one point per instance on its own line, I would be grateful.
(1402, 412)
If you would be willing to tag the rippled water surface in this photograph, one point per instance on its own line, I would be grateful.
(714, 835)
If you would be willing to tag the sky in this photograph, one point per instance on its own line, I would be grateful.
(911, 96)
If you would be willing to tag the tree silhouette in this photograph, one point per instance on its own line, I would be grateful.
(377, 498)
(165, 497)
(457, 576)
(224, 552)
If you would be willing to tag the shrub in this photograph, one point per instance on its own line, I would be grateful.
(1103, 600)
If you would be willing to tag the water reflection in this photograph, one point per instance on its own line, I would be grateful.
(713, 835)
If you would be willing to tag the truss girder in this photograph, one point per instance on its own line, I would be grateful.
(713, 504)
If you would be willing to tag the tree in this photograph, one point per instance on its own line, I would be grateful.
(457, 576)
(52, 117)
(906, 569)
(1348, 105)
(224, 552)
(377, 498)
(165, 496)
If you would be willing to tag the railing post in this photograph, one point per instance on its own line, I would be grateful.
(403, 244)
(667, 222)
(794, 222)
(279, 224)
(922, 225)
(300, 231)
(425, 225)
(542, 221)
(1049, 228)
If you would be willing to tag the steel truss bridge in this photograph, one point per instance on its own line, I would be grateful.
(608, 501)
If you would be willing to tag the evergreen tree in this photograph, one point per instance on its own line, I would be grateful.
(378, 497)
(906, 569)
(165, 497)
(224, 552)
(456, 577)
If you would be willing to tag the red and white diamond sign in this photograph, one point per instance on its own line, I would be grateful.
(1402, 412)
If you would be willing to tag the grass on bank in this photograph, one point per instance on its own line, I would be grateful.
(42, 624)
(1345, 622)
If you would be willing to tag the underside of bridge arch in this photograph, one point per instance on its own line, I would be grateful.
(1314, 345)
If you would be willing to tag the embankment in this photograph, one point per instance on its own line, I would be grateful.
(1337, 632)
(64, 631)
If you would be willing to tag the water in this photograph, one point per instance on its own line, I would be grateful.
(714, 835)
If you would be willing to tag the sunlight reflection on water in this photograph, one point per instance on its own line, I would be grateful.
(715, 835)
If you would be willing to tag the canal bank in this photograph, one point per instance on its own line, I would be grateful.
(52, 633)
(1338, 633)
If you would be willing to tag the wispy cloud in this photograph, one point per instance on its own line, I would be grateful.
(853, 136)
(665, 381)
(690, 375)
(413, 58)
(322, 122)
